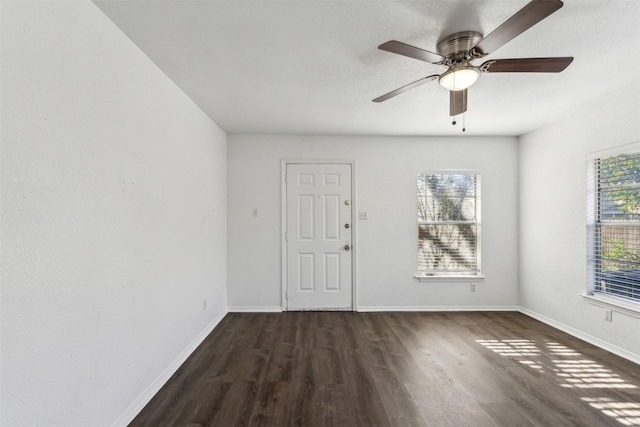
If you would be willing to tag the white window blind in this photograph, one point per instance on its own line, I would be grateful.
(614, 226)
(448, 224)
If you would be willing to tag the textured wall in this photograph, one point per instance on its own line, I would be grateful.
(113, 218)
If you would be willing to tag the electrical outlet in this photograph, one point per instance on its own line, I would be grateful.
(608, 315)
(363, 215)
(472, 287)
(204, 304)
(255, 212)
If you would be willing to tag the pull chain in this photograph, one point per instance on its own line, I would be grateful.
(454, 100)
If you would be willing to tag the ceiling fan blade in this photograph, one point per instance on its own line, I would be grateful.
(527, 65)
(525, 18)
(411, 51)
(406, 88)
(457, 102)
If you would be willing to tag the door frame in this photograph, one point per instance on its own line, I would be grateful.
(283, 225)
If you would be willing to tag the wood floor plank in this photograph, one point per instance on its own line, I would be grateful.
(395, 369)
(363, 394)
(272, 404)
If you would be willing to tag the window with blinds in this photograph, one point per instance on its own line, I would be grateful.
(614, 226)
(448, 224)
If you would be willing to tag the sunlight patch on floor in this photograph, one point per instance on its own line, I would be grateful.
(516, 349)
(512, 348)
(627, 413)
(576, 372)
(560, 349)
(582, 373)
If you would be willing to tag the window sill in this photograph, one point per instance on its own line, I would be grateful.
(626, 307)
(448, 278)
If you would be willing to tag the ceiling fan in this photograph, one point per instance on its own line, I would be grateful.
(459, 50)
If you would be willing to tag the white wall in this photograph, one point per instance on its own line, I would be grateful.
(553, 217)
(113, 219)
(387, 242)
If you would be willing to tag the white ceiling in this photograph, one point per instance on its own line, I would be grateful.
(313, 67)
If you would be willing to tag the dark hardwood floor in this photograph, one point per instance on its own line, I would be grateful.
(395, 369)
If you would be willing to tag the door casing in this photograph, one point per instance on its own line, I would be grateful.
(283, 225)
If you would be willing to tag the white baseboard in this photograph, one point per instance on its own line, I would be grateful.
(255, 309)
(438, 308)
(635, 358)
(141, 401)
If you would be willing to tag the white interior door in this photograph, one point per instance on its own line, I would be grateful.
(318, 237)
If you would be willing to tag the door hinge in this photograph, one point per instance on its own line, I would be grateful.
(286, 295)
(286, 236)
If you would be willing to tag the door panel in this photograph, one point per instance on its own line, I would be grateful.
(306, 274)
(306, 214)
(331, 217)
(332, 272)
(319, 260)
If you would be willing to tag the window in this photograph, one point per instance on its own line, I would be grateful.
(614, 225)
(448, 224)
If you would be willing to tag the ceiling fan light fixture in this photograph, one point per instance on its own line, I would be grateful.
(459, 78)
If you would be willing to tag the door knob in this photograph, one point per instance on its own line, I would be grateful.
(347, 247)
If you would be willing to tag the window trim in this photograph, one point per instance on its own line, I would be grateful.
(627, 306)
(468, 278)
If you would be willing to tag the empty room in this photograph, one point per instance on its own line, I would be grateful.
(319, 213)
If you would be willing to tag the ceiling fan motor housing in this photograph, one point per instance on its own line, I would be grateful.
(456, 47)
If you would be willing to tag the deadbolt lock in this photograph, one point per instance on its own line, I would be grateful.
(347, 226)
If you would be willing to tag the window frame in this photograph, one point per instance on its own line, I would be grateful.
(594, 226)
(454, 275)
